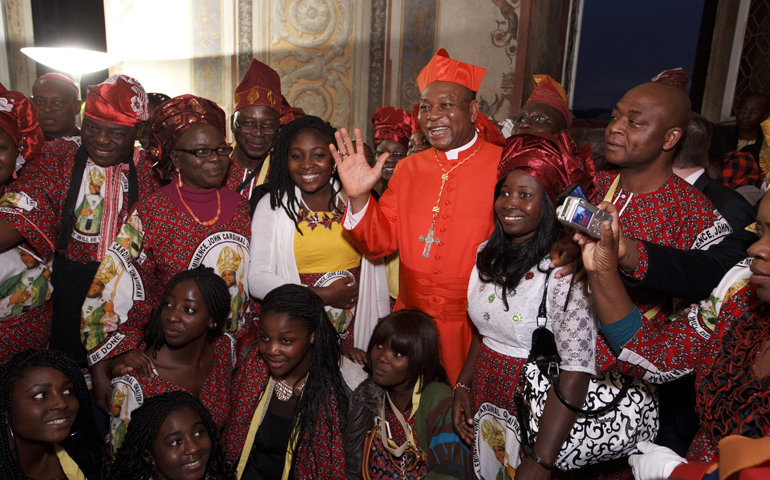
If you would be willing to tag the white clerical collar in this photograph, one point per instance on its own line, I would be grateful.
(455, 152)
(693, 177)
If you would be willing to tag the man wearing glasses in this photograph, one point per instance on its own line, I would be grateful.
(545, 111)
(56, 97)
(255, 123)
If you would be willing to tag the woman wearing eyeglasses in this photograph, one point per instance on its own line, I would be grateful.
(190, 222)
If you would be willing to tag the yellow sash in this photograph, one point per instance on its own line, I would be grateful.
(263, 170)
(259, 414)
(409, 433)
(68, 465)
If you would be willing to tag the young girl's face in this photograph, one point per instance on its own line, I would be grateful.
(182, 447)
(285, 344)
(310, 161)
(184, 316)
(389, 368)
(44, 406)
(519, 204)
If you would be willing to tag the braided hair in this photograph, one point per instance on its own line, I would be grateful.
(280, 183)
(324, 377)
(215, 295)
(131, 462)
(504, 263)
(83, 445)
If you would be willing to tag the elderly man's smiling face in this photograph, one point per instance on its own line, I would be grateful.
(447, 115)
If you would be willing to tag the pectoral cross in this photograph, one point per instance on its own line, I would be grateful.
(429, 240)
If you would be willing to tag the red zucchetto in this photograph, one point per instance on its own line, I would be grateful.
(441, 68)
(18, 117)
(550, 92)
(553, 160)
(119, 99)
(392, 123)
(260, 86)
(676, 77)
(176, 116)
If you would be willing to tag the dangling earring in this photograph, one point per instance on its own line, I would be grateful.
(74, 433)
(179, 177)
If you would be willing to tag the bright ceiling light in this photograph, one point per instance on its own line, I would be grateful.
(72, 60)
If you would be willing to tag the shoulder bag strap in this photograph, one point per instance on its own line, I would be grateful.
(68, 212)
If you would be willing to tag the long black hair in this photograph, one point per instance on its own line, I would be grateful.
(504, 263)
(280, 183)
(414, 335)
(324, 377)
(215, 295)
(83, 445)
(131, 462)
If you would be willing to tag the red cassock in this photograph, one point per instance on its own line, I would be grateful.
(437, 285)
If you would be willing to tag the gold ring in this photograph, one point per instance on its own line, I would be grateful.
(343, 154)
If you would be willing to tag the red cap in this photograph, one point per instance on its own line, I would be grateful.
(550, 92)
(260, 86)
(444, 69)
(18, 117)
(289, 113)
(554, 161)
(63, 78)
(392, 123)
(119, 99)
(676, 77)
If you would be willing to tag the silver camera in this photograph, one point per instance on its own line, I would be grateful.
(578, 213)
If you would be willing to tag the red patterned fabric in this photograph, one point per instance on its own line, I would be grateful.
(163, 253)
(45, 181)
(441, 68)
(494, 379)
(740, 169)
(119, 99)
(320, 457)
(27, 331)
(260, 86)
(554, 161)
(550, 92)
(18, 117)
(176, 116)
(673, 215)
(289, 113)
(346, 336)
(215, 393)
(391, 123)
(676, 77)
(236, 175)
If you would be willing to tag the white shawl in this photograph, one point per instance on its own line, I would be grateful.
(273, 264)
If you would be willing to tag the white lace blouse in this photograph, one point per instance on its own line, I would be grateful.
(510, 332)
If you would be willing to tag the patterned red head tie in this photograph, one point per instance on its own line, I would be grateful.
(676, 77)
(289, 113)
(119, 99)
(550, 92)
(260, 86)
(444, 69)
(176, 116)
(487, 130)
(392, 123)
(18, 117)
(554, 161)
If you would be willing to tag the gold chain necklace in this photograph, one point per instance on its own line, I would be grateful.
(284, 391)
(429, 239)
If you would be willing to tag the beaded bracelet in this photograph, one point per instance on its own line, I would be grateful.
(462, 385)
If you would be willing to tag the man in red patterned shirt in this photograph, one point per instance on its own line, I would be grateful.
(53, 208)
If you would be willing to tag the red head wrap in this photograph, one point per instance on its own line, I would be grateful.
(676, 77)
(442, 68)
(18, 117)
(289, 113)
(488, 131)
(119, 99)
(550, 92)
(176, 116)
(260, 86)
(392, 123)
(554, 161)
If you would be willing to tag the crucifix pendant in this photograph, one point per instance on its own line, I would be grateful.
(429, 240)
